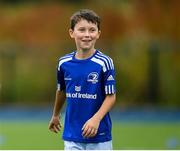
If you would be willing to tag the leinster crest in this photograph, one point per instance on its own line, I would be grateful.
(93, 77)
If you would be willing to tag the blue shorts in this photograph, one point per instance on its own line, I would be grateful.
(70, 145)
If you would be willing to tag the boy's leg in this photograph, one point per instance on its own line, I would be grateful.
(70, 145)
(99, 146)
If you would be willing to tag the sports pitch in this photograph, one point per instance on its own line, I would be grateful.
(126, 135)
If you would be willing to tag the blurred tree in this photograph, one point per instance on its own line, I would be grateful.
(8, 76)
(41, 1)
(153, 73)
(74, 1)
(128, 31)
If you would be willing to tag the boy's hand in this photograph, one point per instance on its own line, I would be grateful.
(54, 124)
(90, 128)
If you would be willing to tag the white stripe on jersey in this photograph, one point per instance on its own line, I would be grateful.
(62, 61)
(66, 57)
(99, 62)
(109, 60)
(109, 89)
(106, 91)
(112, 63)
(58, 86)
(104, 60)
(112, 88)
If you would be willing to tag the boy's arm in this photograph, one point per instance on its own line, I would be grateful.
(91, 126)
(54, 124)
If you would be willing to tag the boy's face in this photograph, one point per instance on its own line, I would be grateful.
(85, 34)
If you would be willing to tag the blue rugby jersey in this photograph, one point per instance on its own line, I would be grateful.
(86, 83)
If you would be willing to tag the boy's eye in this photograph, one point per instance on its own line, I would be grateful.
(81, 29)
(92, 29)
(84, 29)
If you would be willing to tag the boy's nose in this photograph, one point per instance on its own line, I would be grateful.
(87, 33)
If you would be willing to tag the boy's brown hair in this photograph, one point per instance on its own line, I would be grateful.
(85, 14)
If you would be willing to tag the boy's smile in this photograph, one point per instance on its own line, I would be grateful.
(85, 34)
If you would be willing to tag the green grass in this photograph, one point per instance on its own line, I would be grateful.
(126, 135)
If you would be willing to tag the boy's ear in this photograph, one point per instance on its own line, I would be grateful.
(99, 33)
(71, 33)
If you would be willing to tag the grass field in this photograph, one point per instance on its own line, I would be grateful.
(126, 135)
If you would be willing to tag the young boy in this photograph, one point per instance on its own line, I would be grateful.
(86, 80)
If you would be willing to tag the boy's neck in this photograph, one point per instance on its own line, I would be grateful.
(84, 54)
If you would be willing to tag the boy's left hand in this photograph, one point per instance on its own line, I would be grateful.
(90, 128)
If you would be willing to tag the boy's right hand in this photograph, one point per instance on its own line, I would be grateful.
(54, 124)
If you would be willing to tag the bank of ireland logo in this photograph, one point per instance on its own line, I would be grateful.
(93, 77)
(77, 88)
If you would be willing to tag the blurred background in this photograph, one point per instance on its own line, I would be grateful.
(143, 39)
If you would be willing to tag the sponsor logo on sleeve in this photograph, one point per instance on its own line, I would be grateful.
(110, 78)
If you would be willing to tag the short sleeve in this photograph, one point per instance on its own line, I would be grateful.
(60, 78)
(109, 80)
